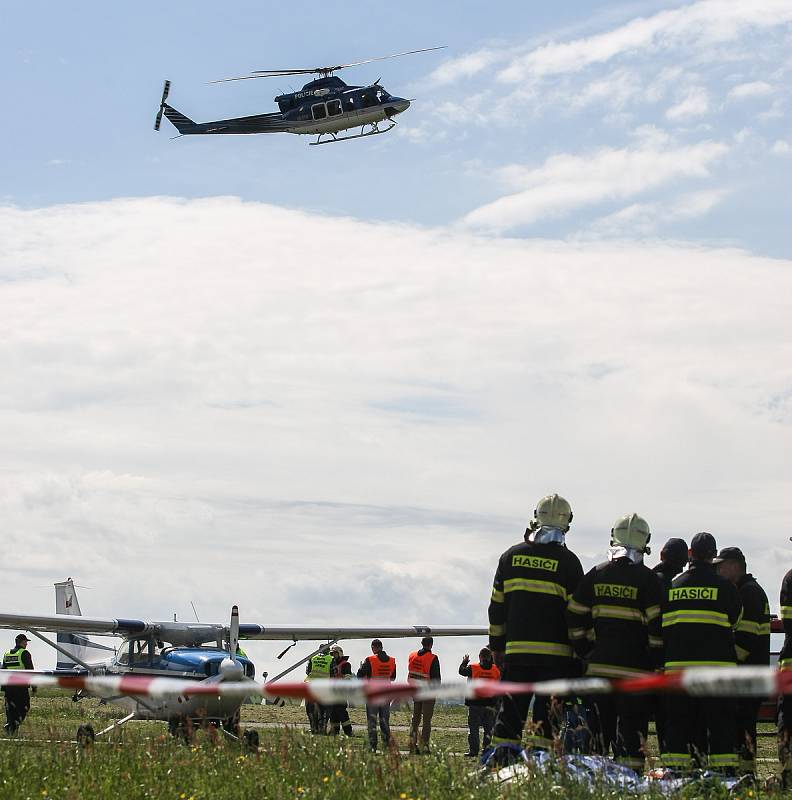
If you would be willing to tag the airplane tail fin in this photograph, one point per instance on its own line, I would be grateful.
(82, 647)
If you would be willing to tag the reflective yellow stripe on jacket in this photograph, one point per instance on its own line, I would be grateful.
(539, 649)
(696, 615)
(530, 585)
(617, 612)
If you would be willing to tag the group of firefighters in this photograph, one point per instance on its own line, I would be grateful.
(547, 619)
(697, 608)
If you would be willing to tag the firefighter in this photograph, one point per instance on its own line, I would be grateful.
(785, 701)
(701, 611)
(752, 642)
(527, 616)
(673, 559)
(341, 670)
(17, 698)
(481, 712)
(379, 666)
(614, 625)
(423, 665)
(318, 666)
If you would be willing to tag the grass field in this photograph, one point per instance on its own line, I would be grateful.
(142, 761)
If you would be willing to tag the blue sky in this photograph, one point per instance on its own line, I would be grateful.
(567, 270)
(84, 82)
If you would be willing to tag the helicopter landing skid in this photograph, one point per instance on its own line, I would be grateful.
(375, 129)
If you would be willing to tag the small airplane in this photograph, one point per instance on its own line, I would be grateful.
(205, 653)
(324, 106)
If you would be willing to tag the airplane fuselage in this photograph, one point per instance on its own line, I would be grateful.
(143, 657)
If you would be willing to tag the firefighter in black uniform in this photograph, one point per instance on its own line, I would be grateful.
(701, 611)
(785, 701)
(527, 615)
(673, 559)
(17, 698)
(752, 642)
(614, 625)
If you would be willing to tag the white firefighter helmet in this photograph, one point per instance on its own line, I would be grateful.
(631, 531)
(552, 511)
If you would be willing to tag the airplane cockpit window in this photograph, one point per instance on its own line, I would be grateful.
(134, 651)
(334, 108)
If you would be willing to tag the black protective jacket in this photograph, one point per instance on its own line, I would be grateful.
(666, 573)
(701, 611)
(527, 611)
(752, 635)
(614, 620)
(785, 656)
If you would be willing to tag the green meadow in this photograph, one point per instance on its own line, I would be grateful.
(141, 760)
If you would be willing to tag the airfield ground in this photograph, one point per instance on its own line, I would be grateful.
(142, 761)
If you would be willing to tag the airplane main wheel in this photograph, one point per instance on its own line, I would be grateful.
(251, 741)
(85, 736)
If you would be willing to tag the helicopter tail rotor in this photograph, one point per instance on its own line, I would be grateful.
(165, 93)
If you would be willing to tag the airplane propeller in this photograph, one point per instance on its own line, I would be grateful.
(273, 73)
(165, 92)
(230, 668)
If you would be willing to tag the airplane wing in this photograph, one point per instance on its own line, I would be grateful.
(189, 633)
(315, 633)
(74, 624)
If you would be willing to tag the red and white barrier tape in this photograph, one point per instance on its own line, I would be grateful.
(701, 681)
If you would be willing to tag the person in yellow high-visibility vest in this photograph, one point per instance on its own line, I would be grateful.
(318, 666)
(17, 698)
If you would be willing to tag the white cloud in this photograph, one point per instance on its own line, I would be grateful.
(568, 182)
(703, 23)
(751, 89)
(226, 402)
(781, 147)
(641, 219)
(695, 103)
(465, 66)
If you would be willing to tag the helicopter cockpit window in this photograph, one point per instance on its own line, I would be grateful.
(319, 111)
(334, 108)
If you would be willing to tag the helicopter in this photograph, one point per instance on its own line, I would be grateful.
(324, 106)
(207, 654)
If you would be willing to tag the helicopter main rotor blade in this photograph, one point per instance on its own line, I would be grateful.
(275, 73)
(384, 58)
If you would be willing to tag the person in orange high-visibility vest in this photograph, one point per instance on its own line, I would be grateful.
(423, 665)
(379, 666)
(481, 713)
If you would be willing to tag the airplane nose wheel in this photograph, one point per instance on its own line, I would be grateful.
(85, 736)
